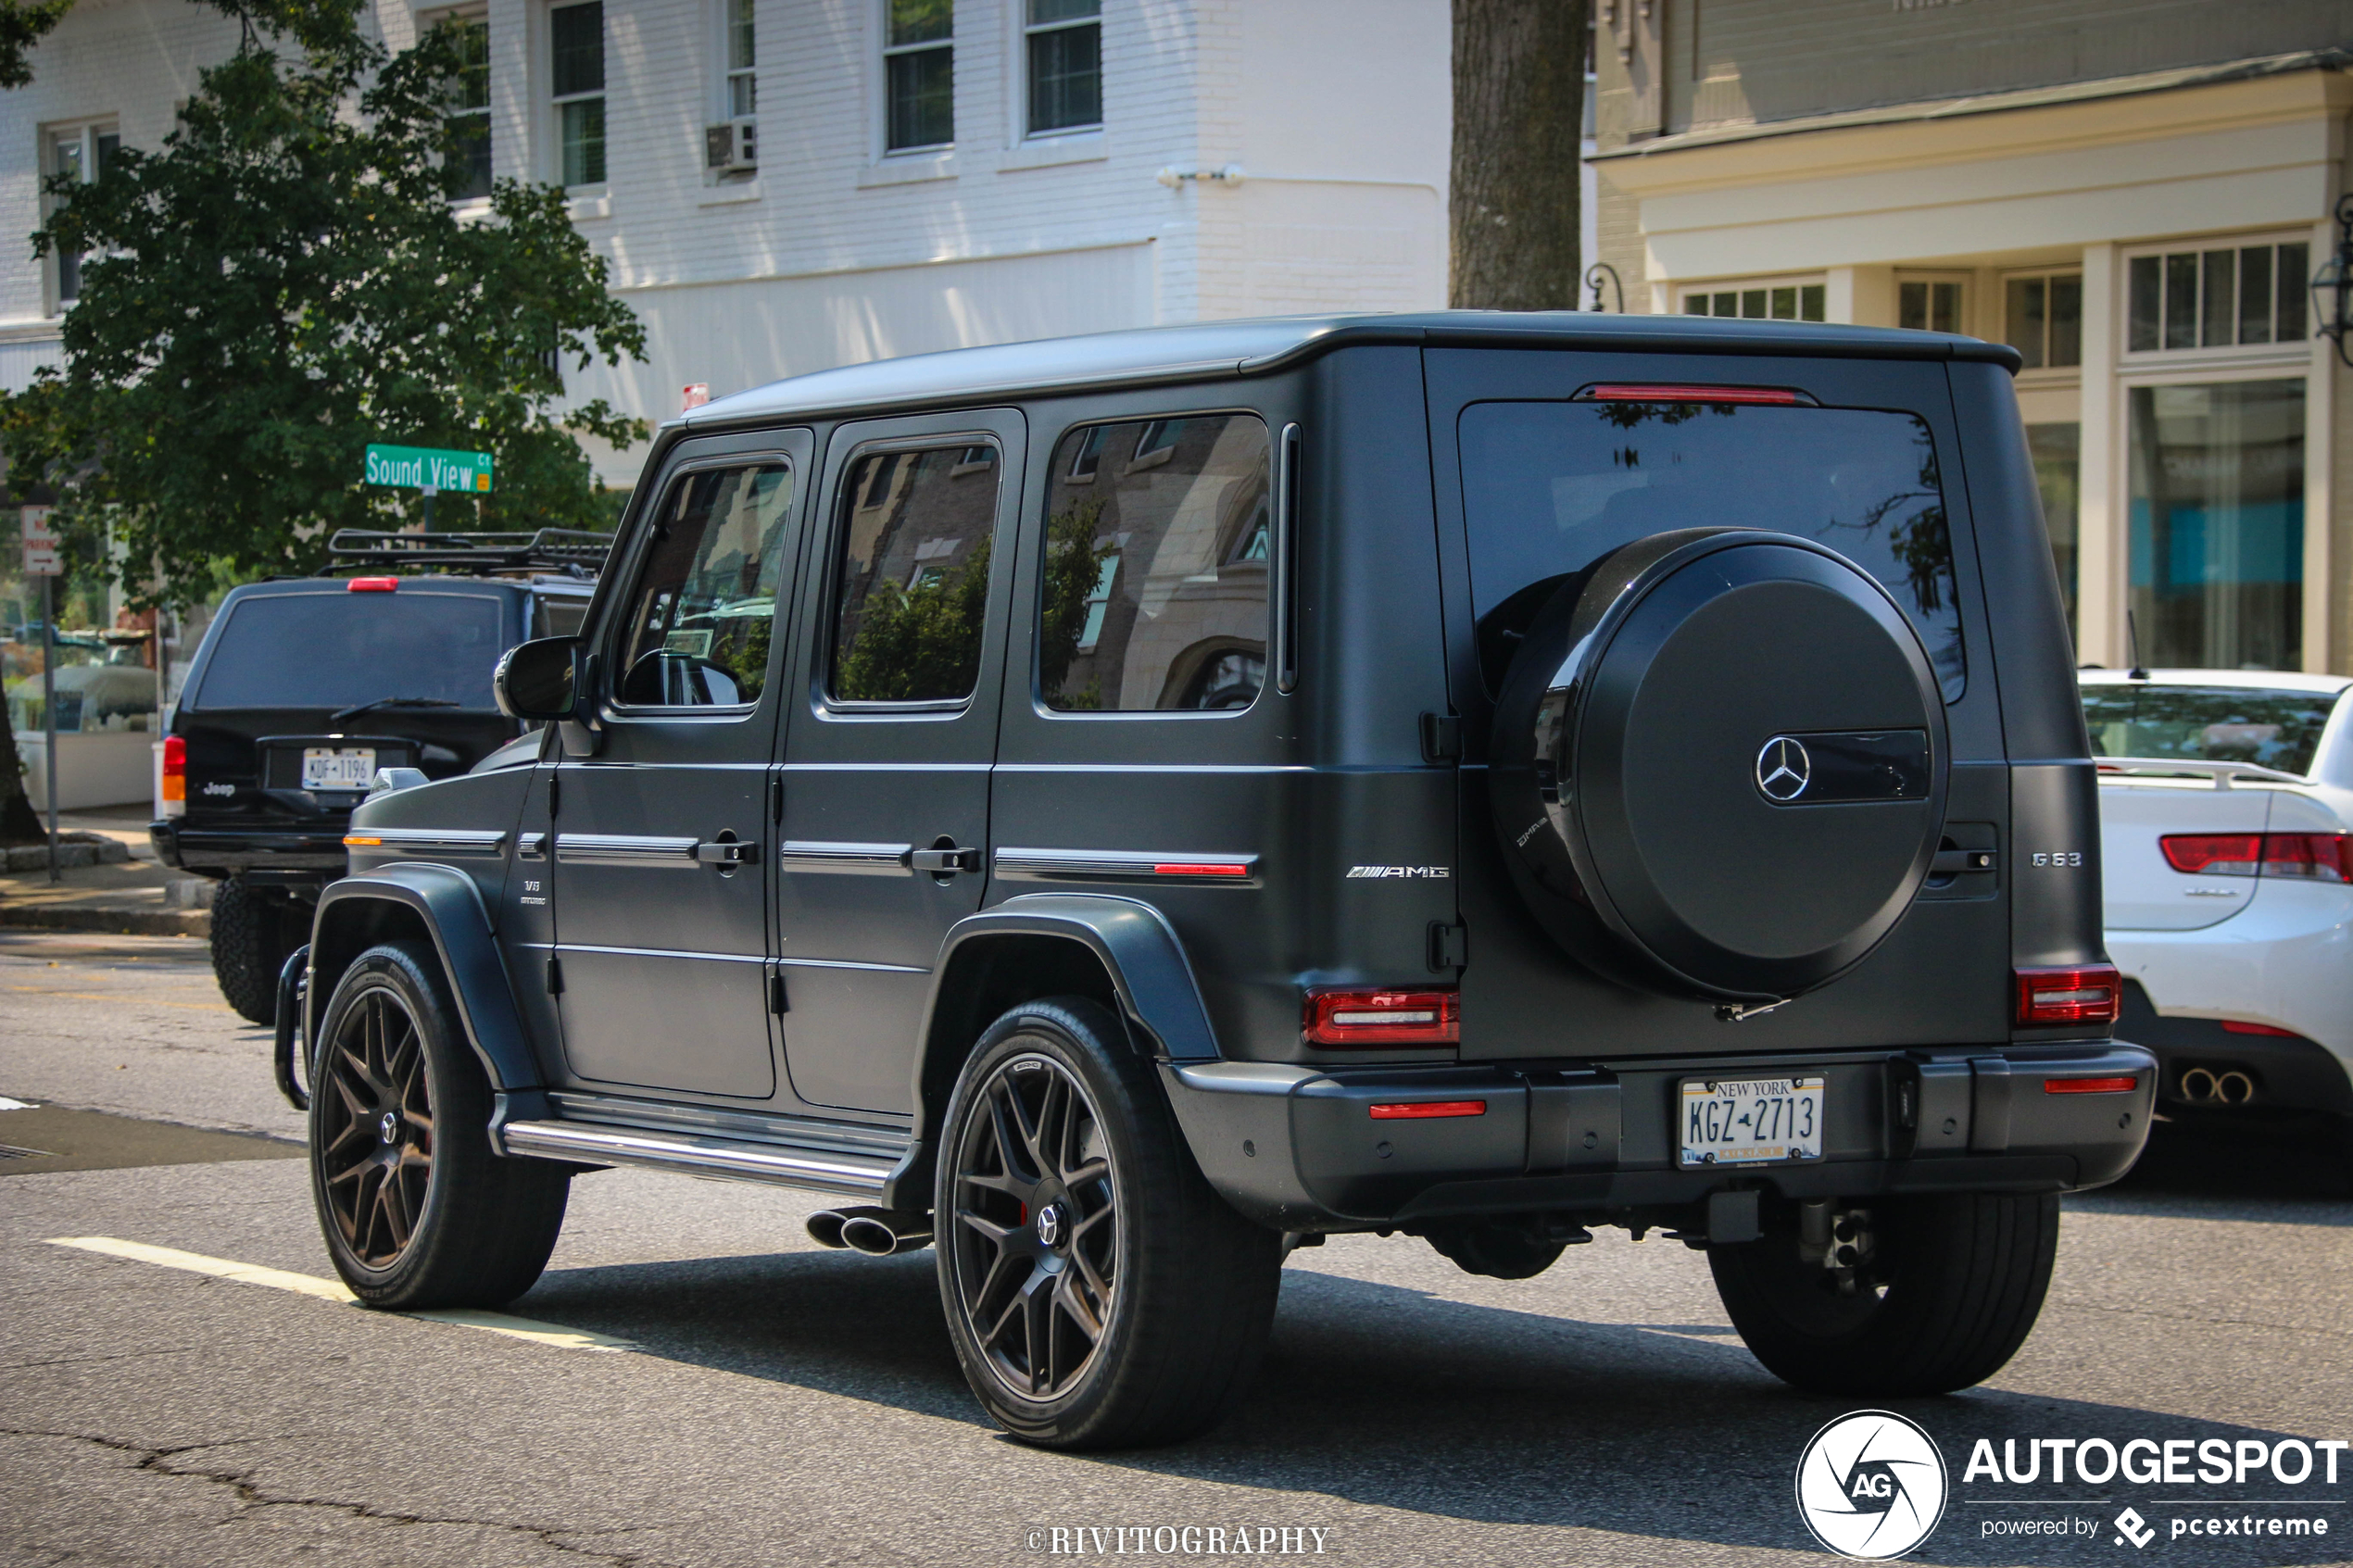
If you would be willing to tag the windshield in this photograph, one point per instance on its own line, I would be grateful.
(2270, 729)
(1551, 488)
(336, 649)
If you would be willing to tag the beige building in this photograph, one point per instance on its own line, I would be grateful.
(2135, 192)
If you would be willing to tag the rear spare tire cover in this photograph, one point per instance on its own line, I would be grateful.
(1718, 765)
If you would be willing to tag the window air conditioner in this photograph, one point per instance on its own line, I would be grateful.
(731, 144)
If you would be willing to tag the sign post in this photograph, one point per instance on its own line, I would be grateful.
(430, 469)
(41, 560)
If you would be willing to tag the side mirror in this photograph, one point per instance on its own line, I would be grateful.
(539, 680)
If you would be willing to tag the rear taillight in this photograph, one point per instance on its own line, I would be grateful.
(1429, 1109)
(1381, 1018)
(2240, 1026)
(2090, 1086)
(173, 786)
(372, 585)
(2088, 994)
(2316, 856)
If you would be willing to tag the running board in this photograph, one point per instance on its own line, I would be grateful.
(732, 1159)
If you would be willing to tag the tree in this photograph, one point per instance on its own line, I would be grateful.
(284, 281)
(1519, 91)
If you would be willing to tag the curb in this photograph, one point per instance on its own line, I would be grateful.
(117, 921)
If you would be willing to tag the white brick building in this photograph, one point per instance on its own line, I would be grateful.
(930, 173)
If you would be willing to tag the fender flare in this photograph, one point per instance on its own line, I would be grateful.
(1159, 998)
(451, 908)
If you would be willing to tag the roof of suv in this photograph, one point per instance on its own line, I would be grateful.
(2253, 679)
(1204, 350)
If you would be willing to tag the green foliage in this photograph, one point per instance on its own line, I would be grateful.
(1074, 563)
(284, 281)
(917, 643)
(24, 23)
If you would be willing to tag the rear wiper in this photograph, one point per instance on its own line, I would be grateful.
(358, 708)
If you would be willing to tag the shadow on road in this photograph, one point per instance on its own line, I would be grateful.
(2275, 1172)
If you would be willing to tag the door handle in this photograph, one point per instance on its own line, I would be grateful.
(727, 851)
(940, 862)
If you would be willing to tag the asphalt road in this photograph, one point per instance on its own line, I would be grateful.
(782, 1404)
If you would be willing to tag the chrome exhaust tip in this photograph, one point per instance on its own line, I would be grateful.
(2197, 1086)
(2235, 1088)
(825, 1228)
(878, 1233)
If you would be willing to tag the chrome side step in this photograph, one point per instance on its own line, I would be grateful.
(733, 1159)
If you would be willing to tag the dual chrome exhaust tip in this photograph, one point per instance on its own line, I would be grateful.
(878, 1233)
(2203, 1086)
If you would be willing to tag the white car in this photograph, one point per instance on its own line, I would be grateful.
(2226, 797)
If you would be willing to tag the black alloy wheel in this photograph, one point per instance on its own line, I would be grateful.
(1099, 1293)
(376, 1132)
(416, 1209)
(1037, 1226)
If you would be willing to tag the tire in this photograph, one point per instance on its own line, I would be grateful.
(1099, 1293)
(428, 1216)
(1954, 1287)
(251, 938)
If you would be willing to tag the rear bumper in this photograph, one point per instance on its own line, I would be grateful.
(1297, 1148)
(227, 851)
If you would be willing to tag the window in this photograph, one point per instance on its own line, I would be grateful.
(700, 621)
(743, 86)
(2216, 518)
(919, 74)
(2209, 724)
(2042, 318)
(1065, 43)
(1759, 302)
(469, 117)
(2057, 449)
(911, 584)
(81, 153)
(1551, 488)
(357, 647)
(2220, 298)
(578, 35)
(1928, 304)
(1156, 589)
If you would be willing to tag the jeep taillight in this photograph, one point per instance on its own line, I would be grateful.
(2317, 857)
(1381, 1018)
(172, 784)
(2083, 994)
(372, 586)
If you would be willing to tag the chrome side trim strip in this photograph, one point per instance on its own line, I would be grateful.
(674, 1151)
(846, 859)
(653, 952)
(431, 840)
(1032, 865)
(624, 849)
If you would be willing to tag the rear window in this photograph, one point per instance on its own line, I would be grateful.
(1551, 488)
(336, 649)
(2269, 729)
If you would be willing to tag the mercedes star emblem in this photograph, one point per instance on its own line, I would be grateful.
(389, 1128)
(1782, 769)
(1050, 1223)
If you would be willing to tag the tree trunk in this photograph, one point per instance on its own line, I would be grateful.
(1519, 91)
(18, 821)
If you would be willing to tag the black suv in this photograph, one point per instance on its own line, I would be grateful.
(1123, 808)
(303, 689)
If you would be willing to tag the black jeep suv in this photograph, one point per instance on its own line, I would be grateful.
(1121, 808)
(304, 687)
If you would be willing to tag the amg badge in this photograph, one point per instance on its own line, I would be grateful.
(1382, 871)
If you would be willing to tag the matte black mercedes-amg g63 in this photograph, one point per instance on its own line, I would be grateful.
(1118, 809)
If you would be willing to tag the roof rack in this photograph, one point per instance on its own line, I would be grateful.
(579, 550)
(2194, 767)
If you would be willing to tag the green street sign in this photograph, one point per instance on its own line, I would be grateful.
(424, 468)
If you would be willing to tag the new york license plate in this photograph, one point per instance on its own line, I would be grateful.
(1752, 1120)
(327, 767)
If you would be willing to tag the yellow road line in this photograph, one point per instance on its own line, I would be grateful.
(333, 1290)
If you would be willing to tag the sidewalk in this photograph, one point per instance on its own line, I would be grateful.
(109, 882)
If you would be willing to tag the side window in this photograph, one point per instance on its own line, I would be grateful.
(911, 574)
(701, 618)
(1155, 592)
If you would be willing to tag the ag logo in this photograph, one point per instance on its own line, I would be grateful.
(1871, 1485)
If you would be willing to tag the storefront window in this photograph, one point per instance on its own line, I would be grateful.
(2042, 318)
(2057, 451)
(2217, 491)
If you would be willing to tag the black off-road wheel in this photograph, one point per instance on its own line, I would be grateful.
(1949, 1290)
(252, 934)
(416, 1209)
(1099, 1293)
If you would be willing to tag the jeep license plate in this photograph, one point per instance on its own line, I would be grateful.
(325, 767)
(1752, 1120)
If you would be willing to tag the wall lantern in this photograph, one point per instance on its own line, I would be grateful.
(2333, 284)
